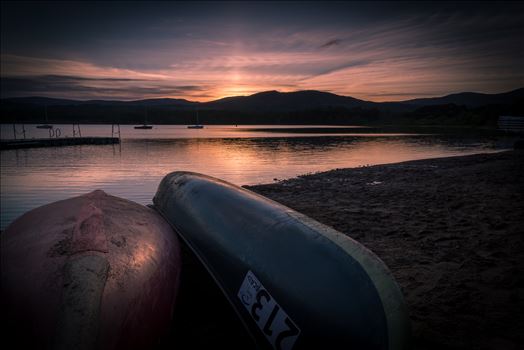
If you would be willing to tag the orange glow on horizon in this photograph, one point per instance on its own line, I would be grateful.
(216, 78)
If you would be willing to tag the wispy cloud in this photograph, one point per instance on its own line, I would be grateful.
(15, 65)
(94, 88)
(333, 42)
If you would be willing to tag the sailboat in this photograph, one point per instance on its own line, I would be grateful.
(46, 125)
(196, 126)
(144, 126)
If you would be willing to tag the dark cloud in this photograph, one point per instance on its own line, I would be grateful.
(59, 86)
(70, 78)
(333, 42)
(341, 67)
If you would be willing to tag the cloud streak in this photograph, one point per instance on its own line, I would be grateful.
(333, 42)
(92, 88)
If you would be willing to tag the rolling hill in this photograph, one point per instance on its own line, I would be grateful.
(471, 99)
(270, 107)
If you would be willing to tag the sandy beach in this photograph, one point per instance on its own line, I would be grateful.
(451, 231)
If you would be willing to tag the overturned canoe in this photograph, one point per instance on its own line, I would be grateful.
(90, 272)
(294, 282)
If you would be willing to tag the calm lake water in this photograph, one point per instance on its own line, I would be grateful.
(242, 155)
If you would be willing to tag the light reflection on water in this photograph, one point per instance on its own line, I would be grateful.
(33, 177)
(181, 131)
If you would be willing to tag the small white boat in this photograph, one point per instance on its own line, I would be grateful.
(46, 125)
(144, 126)
(196, 126)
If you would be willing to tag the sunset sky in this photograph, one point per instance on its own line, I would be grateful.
(203, 51)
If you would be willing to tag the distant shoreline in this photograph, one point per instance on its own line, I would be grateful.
(448, 228)
(355, 126)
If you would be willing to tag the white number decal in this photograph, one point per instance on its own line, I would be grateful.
(276, 325)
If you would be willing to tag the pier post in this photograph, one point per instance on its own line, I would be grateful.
(115, 132)
(75, 131)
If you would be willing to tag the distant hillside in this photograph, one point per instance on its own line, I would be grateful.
(271, 107)
(471, 99)
(39, 101)
(46, 101)
(287, 101)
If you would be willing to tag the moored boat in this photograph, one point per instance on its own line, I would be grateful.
(197, 125)
(44, 126)
(144, 126)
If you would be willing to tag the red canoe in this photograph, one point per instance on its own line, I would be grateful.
(90, 272)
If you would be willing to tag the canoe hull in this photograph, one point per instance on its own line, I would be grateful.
(294, 282)
(94, 271)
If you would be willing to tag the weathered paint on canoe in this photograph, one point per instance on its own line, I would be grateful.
(90, 272)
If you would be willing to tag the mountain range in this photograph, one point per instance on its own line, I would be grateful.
(309, 106)
(306, 99)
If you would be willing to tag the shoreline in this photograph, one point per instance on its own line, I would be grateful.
(450, 231)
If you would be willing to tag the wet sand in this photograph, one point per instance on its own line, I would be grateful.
(450, 229)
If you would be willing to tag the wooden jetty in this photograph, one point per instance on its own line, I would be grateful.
(57, 142)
